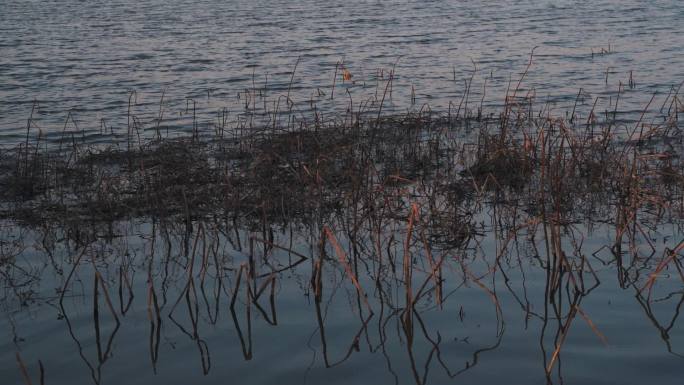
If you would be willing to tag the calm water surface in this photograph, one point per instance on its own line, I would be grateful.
(490, 323)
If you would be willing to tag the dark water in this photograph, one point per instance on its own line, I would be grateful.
(493, 324)
(86, 58)
(215, 303)
(402, 270)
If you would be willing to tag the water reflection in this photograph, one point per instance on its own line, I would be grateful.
(385, 254)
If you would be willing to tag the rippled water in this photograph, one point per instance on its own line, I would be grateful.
(85, 58)
(89, 68)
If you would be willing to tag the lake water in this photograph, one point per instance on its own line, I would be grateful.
(195, 335)
(410, 278)
(86, 58)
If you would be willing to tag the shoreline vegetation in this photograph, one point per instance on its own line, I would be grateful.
(256, 167)
(371, 203)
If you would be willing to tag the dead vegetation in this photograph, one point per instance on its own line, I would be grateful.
(398, 213)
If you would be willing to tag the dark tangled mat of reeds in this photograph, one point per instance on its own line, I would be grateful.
(548, 164)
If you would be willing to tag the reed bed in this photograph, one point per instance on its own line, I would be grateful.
(399, 213)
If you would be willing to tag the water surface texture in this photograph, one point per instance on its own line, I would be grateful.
(515, 235)
(85, 58)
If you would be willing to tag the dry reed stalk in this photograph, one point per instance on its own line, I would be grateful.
(123, 278)
(24, 371)
(435, 271)
(236, 288)
(108, 301)
(342, 257)
(564, 333)
(407, 262)
(71, 273)
(492, 295)
(671, 254)
(593, 327)
(301, 256)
